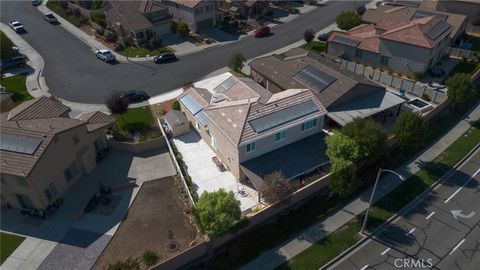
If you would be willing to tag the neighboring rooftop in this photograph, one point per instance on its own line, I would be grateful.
(96, 120)
(133, 15)
(243, 110)
(187, 3)
(38, 108)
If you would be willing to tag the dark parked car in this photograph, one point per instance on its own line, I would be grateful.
(261, 31)
(323, 37)
(134, 96)
(164, 57)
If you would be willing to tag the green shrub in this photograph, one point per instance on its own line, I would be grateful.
(150, 257)
(425, 97)
(176, 105)
(183, 29)
(128, 264)
(419, 75)
(99, 18)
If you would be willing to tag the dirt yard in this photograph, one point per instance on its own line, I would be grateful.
(156, 221)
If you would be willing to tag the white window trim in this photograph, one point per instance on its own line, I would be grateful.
(251, 151)
(281, 139)
(310, 128)
(213, 142)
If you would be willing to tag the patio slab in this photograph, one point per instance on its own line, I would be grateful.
(205, 175)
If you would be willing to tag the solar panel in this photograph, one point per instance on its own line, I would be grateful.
(19, 144)
(217, 97)
(191, 104)
(228, 83)
(314, 78)
(202, 118)
(346, 41)
(420, 14)
(284, 116)
(438, 30)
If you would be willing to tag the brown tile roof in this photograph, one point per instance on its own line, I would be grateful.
(187, 3)
(4, 95)
(281, 71)
(131, 14)
(38, 108)
(97, 120)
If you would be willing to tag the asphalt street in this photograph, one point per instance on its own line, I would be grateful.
(74, 73)
(430, 236)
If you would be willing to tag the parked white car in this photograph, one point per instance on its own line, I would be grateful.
(49, 17)
(16, 26)
(105, 55)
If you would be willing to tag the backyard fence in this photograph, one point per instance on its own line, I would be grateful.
(461, 53)
(395, 82)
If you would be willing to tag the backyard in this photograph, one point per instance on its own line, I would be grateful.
(8, 244)
(16, 84)
(137, 124)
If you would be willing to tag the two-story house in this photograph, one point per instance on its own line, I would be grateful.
(44, 152)
(255, 132)
(197, 14)
(402, 46)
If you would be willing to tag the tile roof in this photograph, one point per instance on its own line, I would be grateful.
(281, 71)
(4, 95)
(38, 108)
(244, 101)
(131, 14)
(97, 120)
(187, 3)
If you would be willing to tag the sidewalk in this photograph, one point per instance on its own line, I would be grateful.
(289, 249)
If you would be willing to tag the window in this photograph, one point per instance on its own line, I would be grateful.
(76, 139)
(70, 172)
(3, 179)
(384, 60)
(51, 191)
(309, 124)
(213, 141)
(22, 181)
(251, 147)
(358, 53)
(281, 136)
(197, 125)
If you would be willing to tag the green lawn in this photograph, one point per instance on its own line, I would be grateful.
(139, 120)
(328, 248)
(317, 46)
(6, 46)
(16, 84)
(133, 51)
(8, 244)
(54, 5)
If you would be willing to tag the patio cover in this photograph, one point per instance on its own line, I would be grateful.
(292, 160)
(364, 106)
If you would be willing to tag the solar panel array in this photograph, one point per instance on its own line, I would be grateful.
(201, 118)
(346, 41)
(228, 83)
(19, 144)
(191, 104)
(284, 116)
(420, 14)
(438, 30)
(314, 78)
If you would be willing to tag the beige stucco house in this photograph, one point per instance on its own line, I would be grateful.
(197, 14)
(254, 132)
(44, 152)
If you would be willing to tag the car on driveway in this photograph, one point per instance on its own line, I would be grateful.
(261, 31)
(323, 37)
(105, 55)
(164, 57)
(134, 96)
(49, 17)
(16, 26)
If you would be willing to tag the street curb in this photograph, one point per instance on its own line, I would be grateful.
(402, 211)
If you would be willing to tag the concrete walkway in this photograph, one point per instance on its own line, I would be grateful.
(292, 247)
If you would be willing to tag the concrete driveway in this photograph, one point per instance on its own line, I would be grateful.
(205, 175)
(64, 242)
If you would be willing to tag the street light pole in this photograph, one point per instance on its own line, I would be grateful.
(373, 194)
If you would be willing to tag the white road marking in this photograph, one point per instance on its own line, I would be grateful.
(456, 247)
(411, 231)
(385, 251)
(365, 267)
(458, 190)
(431, 214)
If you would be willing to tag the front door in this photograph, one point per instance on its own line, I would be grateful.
(24, 201)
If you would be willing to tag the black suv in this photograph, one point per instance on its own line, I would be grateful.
(134, 96)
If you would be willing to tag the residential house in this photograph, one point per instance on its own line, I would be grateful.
(140, 20)
(457, 22)
(246, 8)
(197, 14)
(254, 132)
(44, 152)
(401, 46)
(6, 102)
(345, 95)
(469, 8)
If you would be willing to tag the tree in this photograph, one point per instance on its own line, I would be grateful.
(217, 211)
(183, 29)
(342, 179)
(361, 10)
(339, 146)
(370, 137)
(176, 105)
(149, 257)
(5, 46)
(128, 264)
(236, 62)
(348, 19)
(410, 129)
(117, 104)
(275, 187)
(460, 89)
(308, 35)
